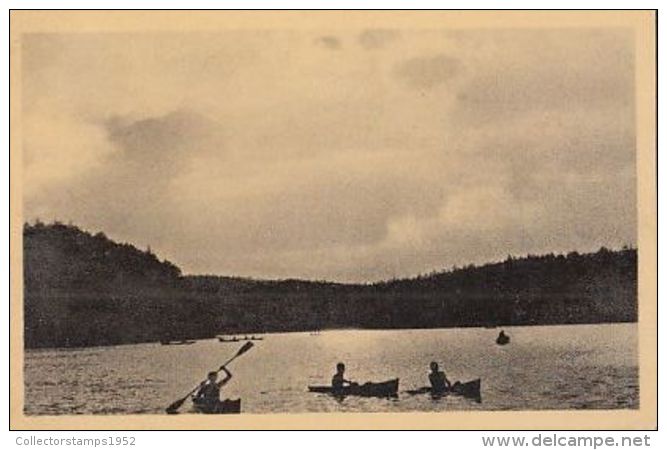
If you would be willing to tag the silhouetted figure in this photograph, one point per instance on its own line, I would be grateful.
(338, 381)
(208, 395)
(439, 382)
(502, 338)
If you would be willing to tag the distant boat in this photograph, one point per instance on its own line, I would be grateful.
(239, 339)
(502, 339)
(180, 342)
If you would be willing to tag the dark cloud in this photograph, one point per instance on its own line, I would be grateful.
(330, 42)
(428, 72)
(160, 135)
(377, 38)
(161, 143)
(550, 71)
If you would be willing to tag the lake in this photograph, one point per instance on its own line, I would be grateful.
(544, 367)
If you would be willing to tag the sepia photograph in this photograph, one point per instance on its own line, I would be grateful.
(266, 219)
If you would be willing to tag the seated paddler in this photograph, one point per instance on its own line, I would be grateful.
(438, 379)
(208, 394)
(338, 381)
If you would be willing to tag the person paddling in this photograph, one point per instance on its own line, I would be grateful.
(439, 382)
(338, 381)
(208, 394)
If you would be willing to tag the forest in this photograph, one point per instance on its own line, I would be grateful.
(83, 289)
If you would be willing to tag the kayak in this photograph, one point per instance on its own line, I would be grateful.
(223, 407)
(384, 389)
(470, 389)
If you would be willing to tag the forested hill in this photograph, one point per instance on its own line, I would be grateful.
(63, 256)
(82, 290)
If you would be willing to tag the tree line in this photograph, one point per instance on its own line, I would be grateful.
(83, 289)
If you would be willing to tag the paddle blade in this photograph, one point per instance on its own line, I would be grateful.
(171, 409)
(247, 346)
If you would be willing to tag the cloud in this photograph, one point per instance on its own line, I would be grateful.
(163, 142)
(428, 72)
(547, 71)
(332, 200)
(57, 148)
(377, 38)
(330, 42)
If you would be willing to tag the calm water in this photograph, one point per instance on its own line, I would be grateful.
(550, 367)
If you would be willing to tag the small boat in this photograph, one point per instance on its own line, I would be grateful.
(383, 389)
(470, 389)
(181, 342)
(502, 339)
(224, 407)
(239, 339)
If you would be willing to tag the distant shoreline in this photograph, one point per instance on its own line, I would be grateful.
(83, 290)
(508, 328)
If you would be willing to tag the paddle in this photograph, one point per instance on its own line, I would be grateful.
(171, 409)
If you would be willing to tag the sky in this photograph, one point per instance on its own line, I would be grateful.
(350, 156)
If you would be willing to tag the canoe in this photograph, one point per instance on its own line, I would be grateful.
(224, 407)
(470, 389)
(384, 389)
